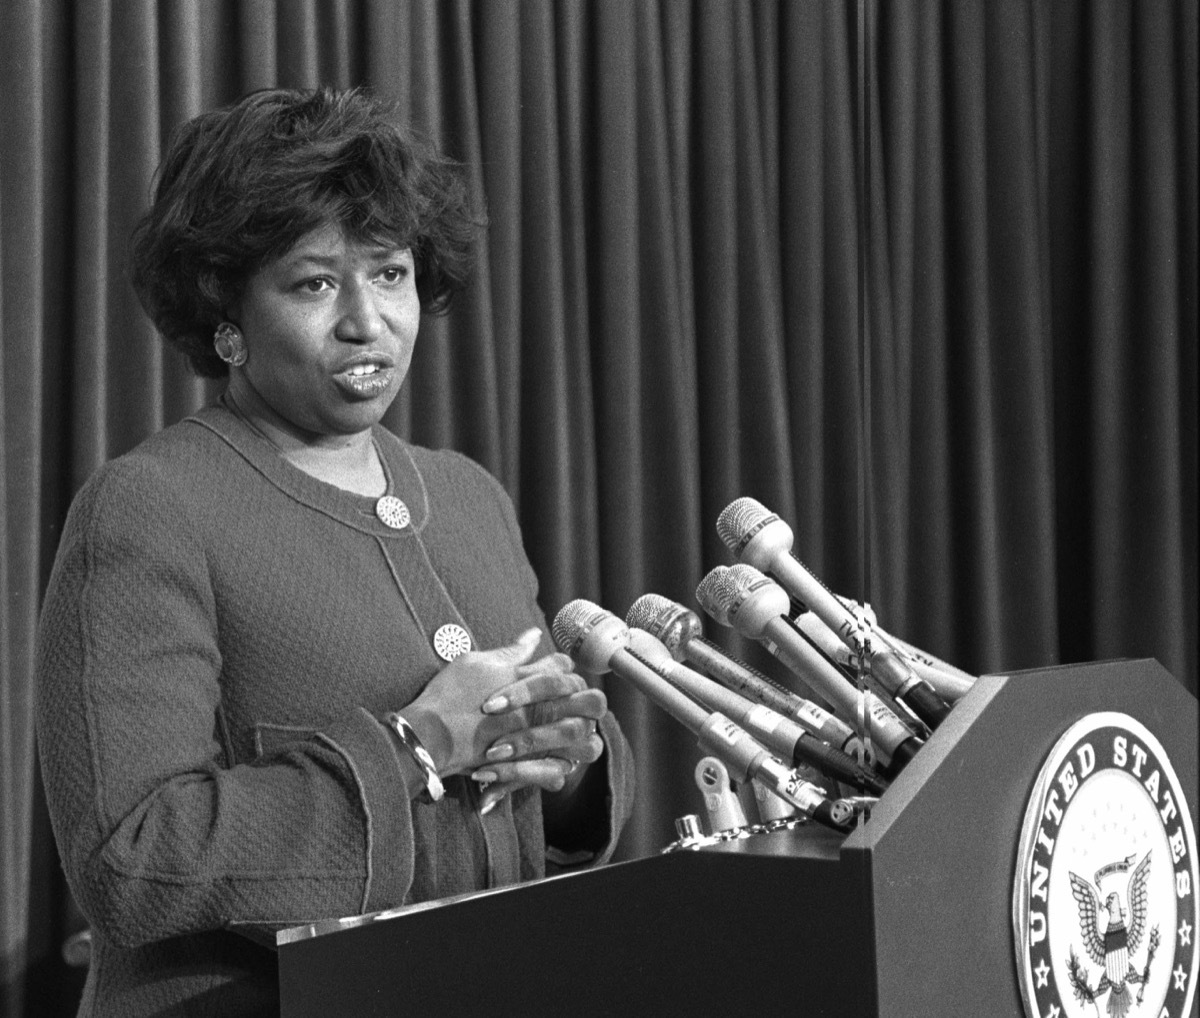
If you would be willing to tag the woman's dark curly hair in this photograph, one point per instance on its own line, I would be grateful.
(238, 187)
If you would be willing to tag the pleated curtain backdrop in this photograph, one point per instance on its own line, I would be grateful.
(684, 200)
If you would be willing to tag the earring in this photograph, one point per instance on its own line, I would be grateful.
(230, 346)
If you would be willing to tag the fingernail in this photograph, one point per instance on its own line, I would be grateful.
(484, 777)
(488, 806)
(531, 635)
(501, 752)
(495, 704)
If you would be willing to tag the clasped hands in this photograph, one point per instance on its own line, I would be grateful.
(509, 721)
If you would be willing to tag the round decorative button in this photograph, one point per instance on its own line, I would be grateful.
(451, 640)
(392, 512)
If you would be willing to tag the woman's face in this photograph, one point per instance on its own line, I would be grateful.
(329, 330)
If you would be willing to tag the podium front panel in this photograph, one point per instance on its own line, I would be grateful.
(942, 844)
(731, 932)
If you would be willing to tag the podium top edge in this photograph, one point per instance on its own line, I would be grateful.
(1075, 665)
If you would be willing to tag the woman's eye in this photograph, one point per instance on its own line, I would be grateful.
(318, 284)
(394, 273)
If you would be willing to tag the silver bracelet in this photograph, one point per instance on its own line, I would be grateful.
(433, 784)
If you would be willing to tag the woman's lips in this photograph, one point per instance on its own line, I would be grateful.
(364, 381)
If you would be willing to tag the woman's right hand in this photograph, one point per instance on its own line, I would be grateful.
(449, 718)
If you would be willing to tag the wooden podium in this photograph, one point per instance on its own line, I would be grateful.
(910, 916)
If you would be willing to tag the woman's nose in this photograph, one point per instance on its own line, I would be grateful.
(359, 318)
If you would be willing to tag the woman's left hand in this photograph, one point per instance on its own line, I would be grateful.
(558, 741)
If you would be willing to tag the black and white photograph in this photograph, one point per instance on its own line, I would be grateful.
(599, 508)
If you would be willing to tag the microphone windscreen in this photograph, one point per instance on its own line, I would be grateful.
(716, 595)
(742, 577)
(572, 623)
(740, 521)
(645, 612)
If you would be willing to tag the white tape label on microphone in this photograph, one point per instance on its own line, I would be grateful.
(726, 729)
(816, 715)
(879, 710)
(765, 718)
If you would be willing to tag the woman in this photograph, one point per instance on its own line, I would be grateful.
(291, 667)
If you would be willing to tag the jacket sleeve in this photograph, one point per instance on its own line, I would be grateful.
(620, 785)
(159, 834)
(605, 804)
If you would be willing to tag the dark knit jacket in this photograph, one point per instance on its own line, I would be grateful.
(220, 636)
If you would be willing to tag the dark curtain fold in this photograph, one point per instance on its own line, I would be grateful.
(668, 311)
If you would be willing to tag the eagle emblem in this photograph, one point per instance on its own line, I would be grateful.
(1112, 934)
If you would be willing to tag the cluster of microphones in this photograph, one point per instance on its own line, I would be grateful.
(880, 698)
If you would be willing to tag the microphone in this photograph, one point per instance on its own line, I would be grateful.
(842, 658)
(598, 642)
(725, 811)
(759, 538)
(679, 630)
(741, 597)
(949, 681)
(779, 734)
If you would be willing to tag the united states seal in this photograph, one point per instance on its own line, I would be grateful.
(1104, 896)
